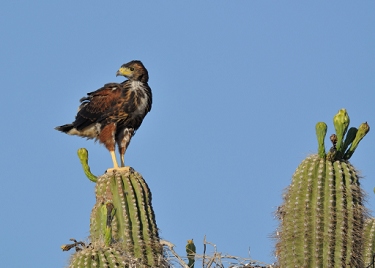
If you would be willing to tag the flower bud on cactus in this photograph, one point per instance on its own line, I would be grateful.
(363, 129)
(341, 122)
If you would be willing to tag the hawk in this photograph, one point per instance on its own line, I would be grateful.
(114, 112)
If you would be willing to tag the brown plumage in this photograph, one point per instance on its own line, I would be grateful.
(114, 112)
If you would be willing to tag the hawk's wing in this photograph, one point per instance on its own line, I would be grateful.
(98, 105)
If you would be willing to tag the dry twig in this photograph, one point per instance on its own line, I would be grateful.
(216, 259)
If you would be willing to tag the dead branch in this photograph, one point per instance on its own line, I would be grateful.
(208, 260)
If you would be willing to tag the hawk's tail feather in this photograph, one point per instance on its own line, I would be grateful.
(65, 128)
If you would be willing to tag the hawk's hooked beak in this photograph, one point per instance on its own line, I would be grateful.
(123, 71)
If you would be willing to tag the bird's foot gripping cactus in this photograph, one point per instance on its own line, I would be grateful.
(123, 231)
(323, 215)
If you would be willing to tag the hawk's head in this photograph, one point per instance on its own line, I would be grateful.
(134, 71)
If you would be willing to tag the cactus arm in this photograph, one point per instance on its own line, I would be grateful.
(83, 157)
(321, 131)
(341, 122)
(363, 129)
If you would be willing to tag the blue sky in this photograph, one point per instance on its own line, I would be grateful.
(238, 87)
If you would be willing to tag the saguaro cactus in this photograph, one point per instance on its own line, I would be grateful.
(123, 230)
(123, 214)
(322, 216)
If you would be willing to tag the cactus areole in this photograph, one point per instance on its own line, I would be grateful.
(322, 217)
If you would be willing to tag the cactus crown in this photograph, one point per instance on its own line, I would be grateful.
(343, 146)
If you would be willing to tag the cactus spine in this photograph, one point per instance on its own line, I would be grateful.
(322, 216)
(123, 230)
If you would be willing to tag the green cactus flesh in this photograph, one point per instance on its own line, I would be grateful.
(83, 156)
(131, 221)
(369, 241)
(321, 131)
(103, 257)
(322, 216)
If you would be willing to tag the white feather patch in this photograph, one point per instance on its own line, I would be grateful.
(135, 86)
(90, 132)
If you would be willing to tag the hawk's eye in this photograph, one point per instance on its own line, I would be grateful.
(131, 68)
